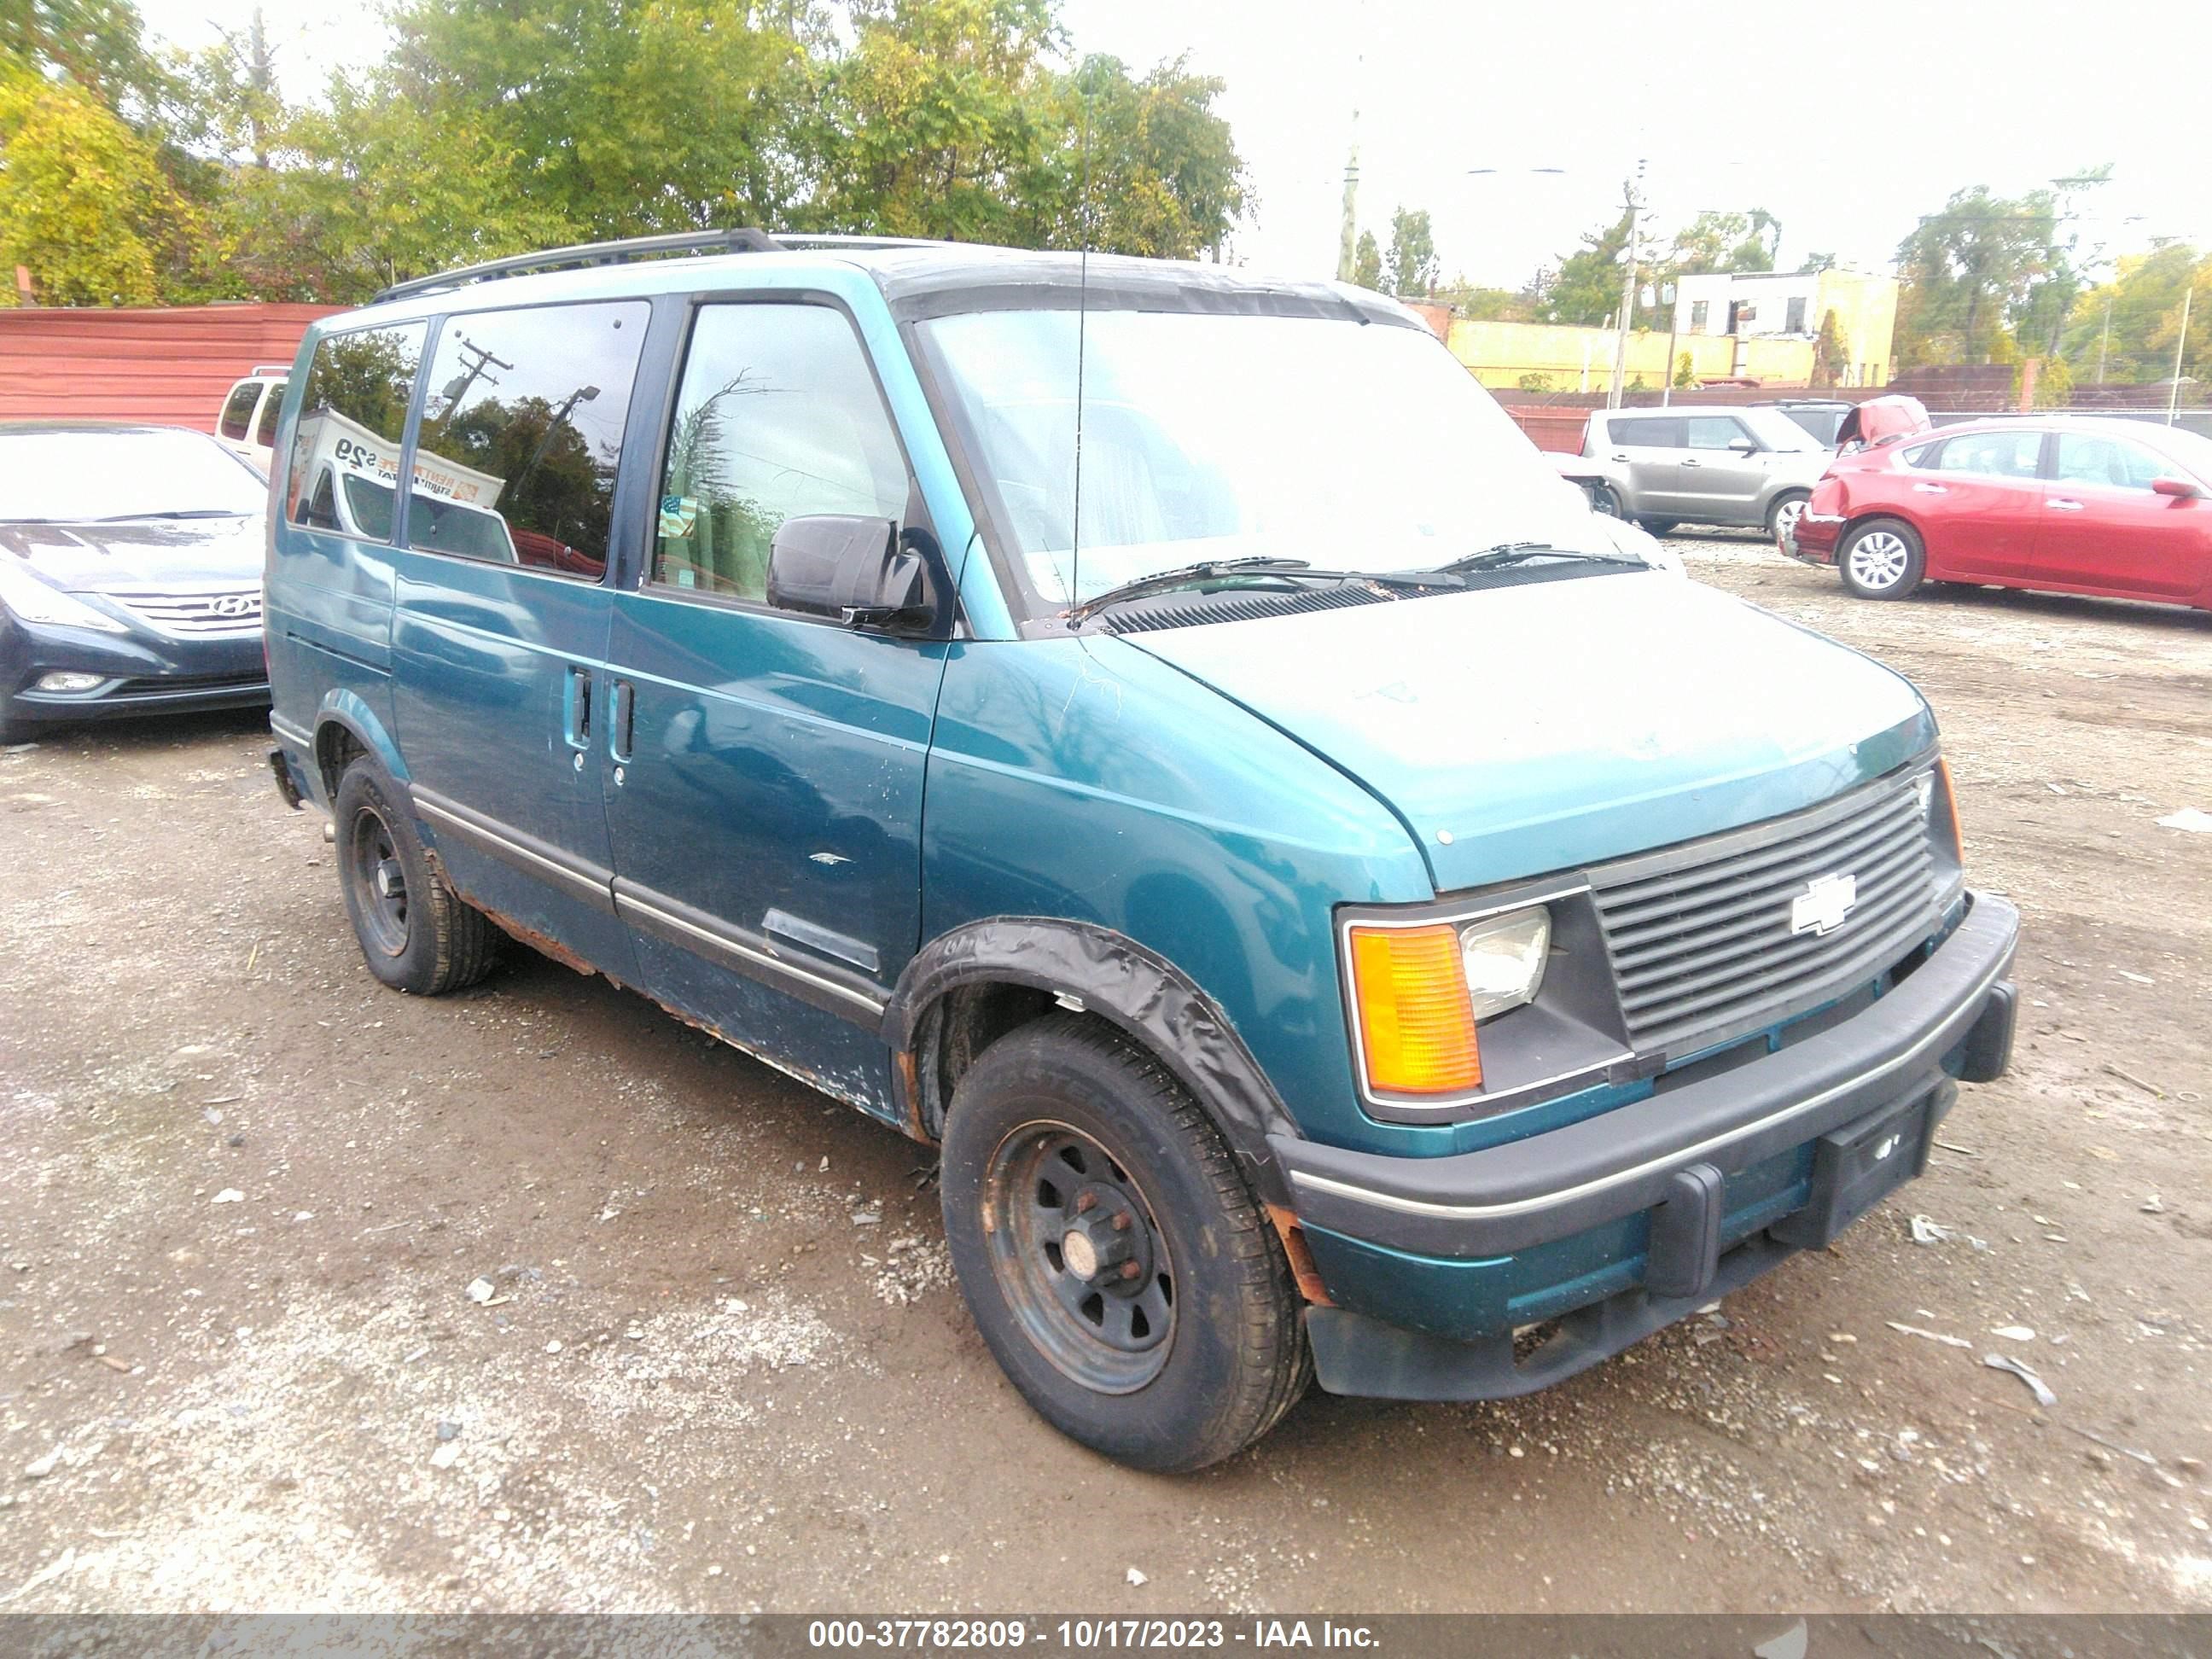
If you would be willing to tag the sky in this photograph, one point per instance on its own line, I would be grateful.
(1845, 122)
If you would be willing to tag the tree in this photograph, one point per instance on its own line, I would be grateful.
(1723, 242)
(2132, 323)
(1164, 176)
(1411, 266)
(1586, 288)
(1832, 351)
(1367, 263)
(83, 202)
(1970, 272)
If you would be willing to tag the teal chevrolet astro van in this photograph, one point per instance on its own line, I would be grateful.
(1340, 909)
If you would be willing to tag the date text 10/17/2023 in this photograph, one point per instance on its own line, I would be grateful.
(1088, 1635)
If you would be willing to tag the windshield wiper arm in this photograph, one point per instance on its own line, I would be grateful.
(177, 512)
(1507, 553)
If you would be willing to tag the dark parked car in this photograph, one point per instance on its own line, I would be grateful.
(130, 574)
(2067, 504)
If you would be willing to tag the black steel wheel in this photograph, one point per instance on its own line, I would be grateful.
(1115, 1261)
(1078, 1257)
(416, 933)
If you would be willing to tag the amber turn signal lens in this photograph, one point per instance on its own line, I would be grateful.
(1416, 1029)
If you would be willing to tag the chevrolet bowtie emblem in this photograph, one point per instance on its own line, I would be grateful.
(1821, 907)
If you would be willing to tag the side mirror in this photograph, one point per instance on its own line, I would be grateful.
(1743, 446)
(2180, 488)
(833, 564)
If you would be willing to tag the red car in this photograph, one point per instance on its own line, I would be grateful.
(2066, 504)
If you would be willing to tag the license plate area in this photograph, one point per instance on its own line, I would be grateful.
(1855, 1166)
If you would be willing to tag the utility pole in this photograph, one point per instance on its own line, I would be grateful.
(1347, 236)
(458, 387)
(1628, 291)
(2173, 394)
(2104, 339)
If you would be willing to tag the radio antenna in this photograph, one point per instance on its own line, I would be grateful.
(1082, 319)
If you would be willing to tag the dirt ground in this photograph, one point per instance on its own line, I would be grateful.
(243, 1192)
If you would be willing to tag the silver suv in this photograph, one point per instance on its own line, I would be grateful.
(1665, 466)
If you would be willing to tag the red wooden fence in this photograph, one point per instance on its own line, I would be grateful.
(167, 366)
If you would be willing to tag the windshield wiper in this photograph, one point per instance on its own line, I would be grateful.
(177, 512)
(1510, 553)
(1191, 575)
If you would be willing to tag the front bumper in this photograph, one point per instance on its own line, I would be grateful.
(140, 672)
(1623, 1222)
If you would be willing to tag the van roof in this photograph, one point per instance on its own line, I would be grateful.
(917, 279)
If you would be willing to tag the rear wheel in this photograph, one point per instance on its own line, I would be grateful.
(414, 933)
(1881, 559)
(1114, 1259)
(1658, 527)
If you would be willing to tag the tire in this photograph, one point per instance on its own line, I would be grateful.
(1783, 513)
(1881, 559)
(414, 933)
(1182, 1344)
(1658, 527)
(1603, 502)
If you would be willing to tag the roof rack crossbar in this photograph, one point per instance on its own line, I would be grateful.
(746, 240)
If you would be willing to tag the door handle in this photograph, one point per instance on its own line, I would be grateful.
(1691, 460)
(1620, 457)
(576, 710)
(2064, 505)
(1931, 489)
(621, 703)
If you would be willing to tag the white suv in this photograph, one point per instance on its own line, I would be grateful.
(247, 425)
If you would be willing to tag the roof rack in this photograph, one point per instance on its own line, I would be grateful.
(747, 239)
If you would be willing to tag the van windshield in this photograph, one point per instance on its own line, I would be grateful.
(1347, 444)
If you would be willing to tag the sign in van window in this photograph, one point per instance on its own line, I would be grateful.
(352, 414)
(521, 431)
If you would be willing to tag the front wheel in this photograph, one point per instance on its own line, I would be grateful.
(414, 933)
(1881, 559)
(1113, 1257)
(1602, 501)
(1781, 517)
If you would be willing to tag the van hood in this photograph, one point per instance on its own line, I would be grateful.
(139, 553)
(1518, 730)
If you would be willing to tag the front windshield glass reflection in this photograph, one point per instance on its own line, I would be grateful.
(1347, 444)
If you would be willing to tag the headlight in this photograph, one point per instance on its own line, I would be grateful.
(1503, 958)
(1419, 990)
(34, 602)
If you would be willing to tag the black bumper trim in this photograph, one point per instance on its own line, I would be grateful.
(1507, 1198)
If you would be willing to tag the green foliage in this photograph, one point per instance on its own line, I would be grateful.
(1685, 376)
(2054, 384)
(1832, 351)
(494, 126)
(1411, 267)
(2143, 303)
(83, 202)
(1974, 273)
(1724, 242)
(1535, 382)
(1501, 304)
(1367, 263)
(1586, 288)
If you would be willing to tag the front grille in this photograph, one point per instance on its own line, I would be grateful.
(193, 615)
(1701, 935)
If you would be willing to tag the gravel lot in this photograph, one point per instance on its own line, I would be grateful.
(243, 1190)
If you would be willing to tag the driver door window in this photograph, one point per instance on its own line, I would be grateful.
(779, 417)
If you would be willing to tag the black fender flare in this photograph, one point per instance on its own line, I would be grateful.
(1097, 970)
